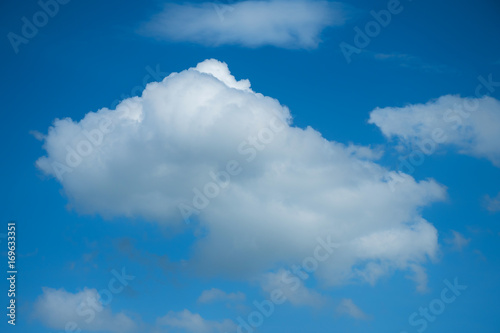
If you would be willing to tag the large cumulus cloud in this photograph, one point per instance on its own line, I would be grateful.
(153, 153)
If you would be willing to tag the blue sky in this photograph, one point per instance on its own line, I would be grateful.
(343, 130)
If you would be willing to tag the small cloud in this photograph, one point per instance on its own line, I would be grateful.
(480, 255)
(193, 322)
(366, 152)
(289, 24)
(420, 278)
(348, 308)
(214, 295)
(457, 241)
(413, 125)
(292, 288)
(37, 135)
(492, 204)
(55, 308)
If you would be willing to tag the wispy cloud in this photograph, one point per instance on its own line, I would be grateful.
(287, 24)
(193, 322)
(457, 241)
(348, 308)
(292, 288)
(492, 204)
(215, 295)
(411, 62)
(420, 277)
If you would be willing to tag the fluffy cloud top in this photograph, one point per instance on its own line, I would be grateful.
(193, 322)
(469, 124)
(202, 142)
(61, 310)
(288, 24)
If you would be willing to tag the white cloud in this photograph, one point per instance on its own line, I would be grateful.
(469, 124)
(288, 24)
(214, 295)
(347, 307)
(420, 278)
(492, 204)
(457, 241)
(292, 288)
(194, 323)
(293, 185)
(59, 309)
